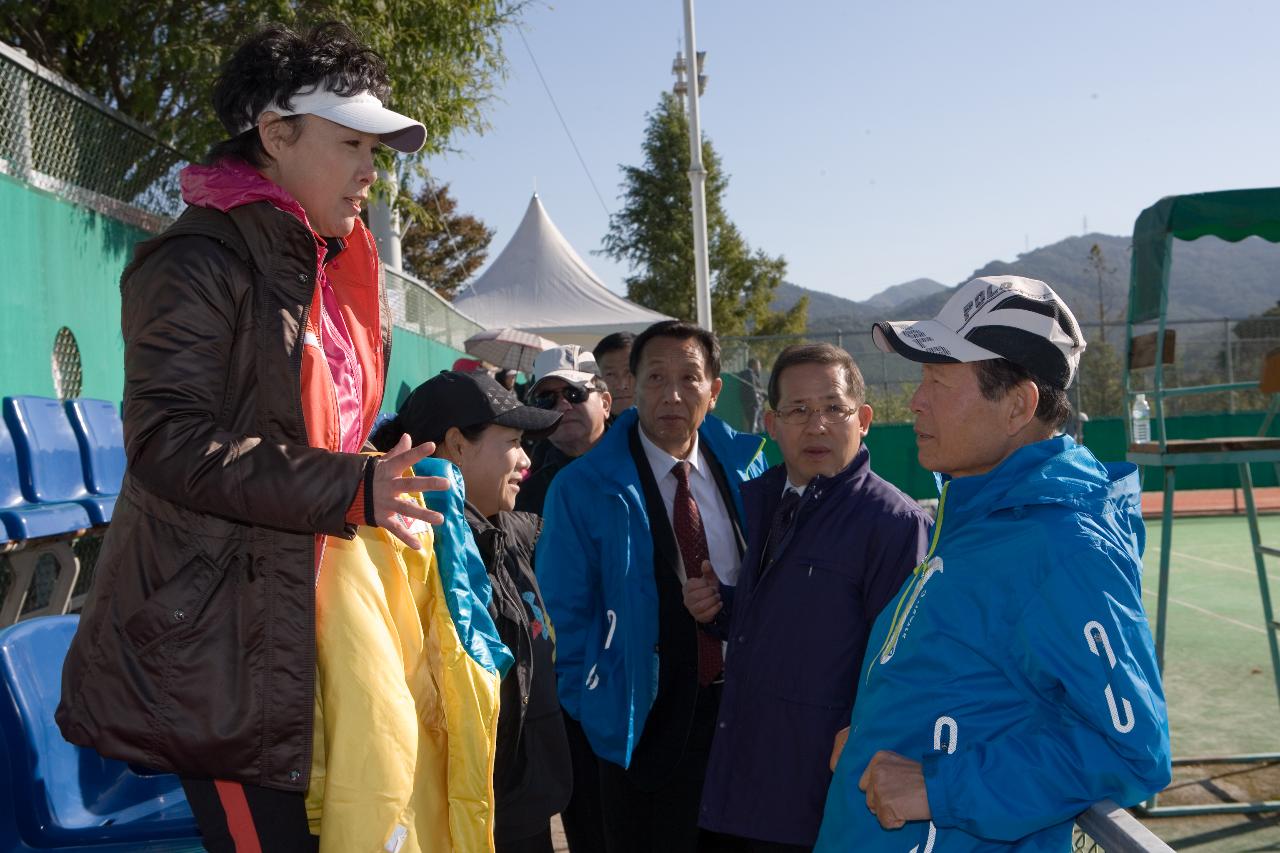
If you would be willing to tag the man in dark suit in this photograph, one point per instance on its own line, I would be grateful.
(655, 503)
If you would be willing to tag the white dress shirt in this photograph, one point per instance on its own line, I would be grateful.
(722, 545)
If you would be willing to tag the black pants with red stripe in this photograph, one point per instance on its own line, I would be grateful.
(238, 818)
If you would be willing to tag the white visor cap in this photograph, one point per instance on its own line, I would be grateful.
(362, 112)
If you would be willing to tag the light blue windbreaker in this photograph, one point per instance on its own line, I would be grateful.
(1016, 663)
(463, 576)
(595, 567)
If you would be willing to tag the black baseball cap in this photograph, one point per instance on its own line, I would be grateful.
(462, 400)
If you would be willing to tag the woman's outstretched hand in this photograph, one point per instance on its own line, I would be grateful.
(393, 512)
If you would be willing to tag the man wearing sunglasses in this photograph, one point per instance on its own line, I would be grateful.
(829, 544)
(566, 380)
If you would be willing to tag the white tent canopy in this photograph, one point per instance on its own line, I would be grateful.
(540, 284)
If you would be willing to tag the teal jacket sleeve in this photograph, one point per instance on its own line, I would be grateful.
(565, 559)
(1082, 650)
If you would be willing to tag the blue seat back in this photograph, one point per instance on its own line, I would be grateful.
(48, 453)
(63, 794)
(10, 478)
(100, 434)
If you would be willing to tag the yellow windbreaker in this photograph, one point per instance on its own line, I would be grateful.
(405, 719)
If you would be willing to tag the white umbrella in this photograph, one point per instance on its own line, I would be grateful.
(507, 347)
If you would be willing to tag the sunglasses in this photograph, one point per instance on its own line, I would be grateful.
(571, 393)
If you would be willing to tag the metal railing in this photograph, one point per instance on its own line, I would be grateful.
(1107, 828)
(58, 138)
(417, 308)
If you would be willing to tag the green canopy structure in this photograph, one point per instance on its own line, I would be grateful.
(1230, 215)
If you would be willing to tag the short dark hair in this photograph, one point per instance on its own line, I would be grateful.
(275, 64)
(681, 331)
(817, 354)
(613, 343)
(998, 376)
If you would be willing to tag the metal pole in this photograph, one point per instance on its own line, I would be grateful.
(384, 222)
(697, 177)
(1231, 368)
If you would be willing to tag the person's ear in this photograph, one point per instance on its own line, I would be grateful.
(454, 445)
(865, 416)
(606, 402)
(716, 385)
(1023, 400)
(771, 423)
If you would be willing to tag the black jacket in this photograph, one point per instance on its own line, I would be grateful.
(546, 463)
(532, 775)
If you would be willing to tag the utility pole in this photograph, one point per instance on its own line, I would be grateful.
(384, 222)
(697, 174)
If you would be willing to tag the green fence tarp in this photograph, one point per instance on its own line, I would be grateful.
(1230, 215)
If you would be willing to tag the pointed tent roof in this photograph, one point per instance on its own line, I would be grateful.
(540, 284)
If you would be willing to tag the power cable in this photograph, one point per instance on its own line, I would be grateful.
(563, 123)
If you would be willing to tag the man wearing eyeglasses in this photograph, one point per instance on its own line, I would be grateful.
(565, 379)
(655, 504)
(830, 543)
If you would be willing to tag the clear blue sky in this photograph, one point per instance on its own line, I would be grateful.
(875, 142)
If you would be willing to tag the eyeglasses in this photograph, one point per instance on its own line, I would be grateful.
(571, 393)
(797, 415)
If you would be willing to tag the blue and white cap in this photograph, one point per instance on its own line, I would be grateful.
(1002, 316)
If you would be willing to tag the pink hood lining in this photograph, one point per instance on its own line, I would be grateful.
(231, 183)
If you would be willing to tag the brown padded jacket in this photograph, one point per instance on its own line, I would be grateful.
(196, 649)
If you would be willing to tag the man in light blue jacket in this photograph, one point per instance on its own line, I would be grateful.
(654, 503)
(1012, 683)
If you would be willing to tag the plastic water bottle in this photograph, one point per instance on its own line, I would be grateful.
(1141, 419)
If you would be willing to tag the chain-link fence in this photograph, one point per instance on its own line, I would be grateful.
(58, 138)
(1207, 352)
(417, 308)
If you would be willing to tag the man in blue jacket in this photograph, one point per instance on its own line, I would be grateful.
(830, 545)
(654, 503)
(1012, 683)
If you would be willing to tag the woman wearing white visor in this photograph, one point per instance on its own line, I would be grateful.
(256, 344)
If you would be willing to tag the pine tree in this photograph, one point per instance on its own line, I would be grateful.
(653, 233)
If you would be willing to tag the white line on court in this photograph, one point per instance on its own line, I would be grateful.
(1181, 556)
(1208, 612)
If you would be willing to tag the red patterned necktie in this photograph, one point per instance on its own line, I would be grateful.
(691, 538)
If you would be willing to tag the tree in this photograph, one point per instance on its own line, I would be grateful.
(445, 247)
(1099, 383)
(155, 61)
(653, 233)
(1098, 266)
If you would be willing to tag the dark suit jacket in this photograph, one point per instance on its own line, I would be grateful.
(666, 732)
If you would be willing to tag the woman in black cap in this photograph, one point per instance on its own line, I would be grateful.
(478, 425)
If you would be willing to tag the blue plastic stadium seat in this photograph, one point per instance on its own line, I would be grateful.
(63, 797)
(100, 434)
(25, 520)
(49, 456)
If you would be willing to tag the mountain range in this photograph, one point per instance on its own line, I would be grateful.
(1210, 279)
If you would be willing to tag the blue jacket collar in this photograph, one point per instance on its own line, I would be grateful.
(1054, 471)
(735, 450)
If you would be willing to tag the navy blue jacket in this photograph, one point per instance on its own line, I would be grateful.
(798, 631)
